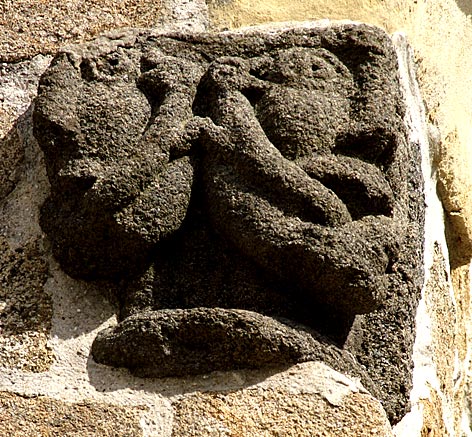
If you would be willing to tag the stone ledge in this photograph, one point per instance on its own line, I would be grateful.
(278, 413)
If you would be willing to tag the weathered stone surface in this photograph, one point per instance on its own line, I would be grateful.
(465, 6)
(18, 87)
(11, 158)
(201, 340)
(279, 413)
(265, 172)
(441, 37)
(455, 195)
(42, 416)
(30, 27)
(331, 407)
(25, 308)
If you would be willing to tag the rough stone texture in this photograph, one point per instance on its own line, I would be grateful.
(29, 27)
(201, 340)
(41, 416)
(463, 333)
(440, 33)
(457, 201)
(278, 413)
(465, 6)
(441, 352)
(442, 357)
(184, 15)
(433, 417)
(11, 158)
(441, 36)
(25, 308)
(18, 87)
(171, 155)
(25, 269)
(439, 300)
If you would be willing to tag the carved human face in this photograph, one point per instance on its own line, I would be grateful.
(307, 104)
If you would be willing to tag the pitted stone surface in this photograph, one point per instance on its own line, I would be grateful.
(30, 27)
(42, 416)
(25, 308)
(186, 342)
(268, 413)
(267, 172)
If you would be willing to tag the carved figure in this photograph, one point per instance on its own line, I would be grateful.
(250, 193)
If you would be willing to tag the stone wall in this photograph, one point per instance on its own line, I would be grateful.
(49, 383)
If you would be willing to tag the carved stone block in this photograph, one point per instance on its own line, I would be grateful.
(254, 195)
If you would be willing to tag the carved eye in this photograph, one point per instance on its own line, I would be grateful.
(87, 69)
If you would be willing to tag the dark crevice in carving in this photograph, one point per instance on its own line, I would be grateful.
(114, 61)
(374, 146)
(86, 70)
(265, 73)
(359, 185)
(253, 94)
